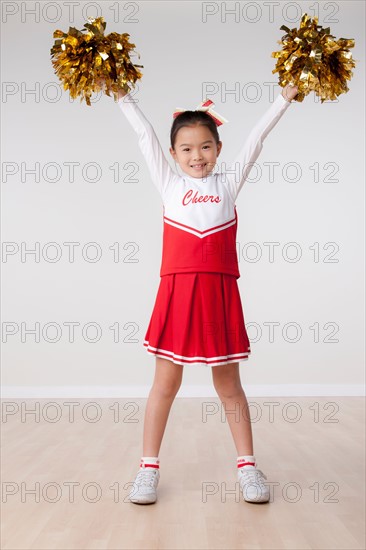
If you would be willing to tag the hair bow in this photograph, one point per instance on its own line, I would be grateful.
(204, 106)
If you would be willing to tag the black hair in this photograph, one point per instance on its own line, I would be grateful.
(192, 118)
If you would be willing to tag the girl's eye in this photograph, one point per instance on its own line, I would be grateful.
(186, 149)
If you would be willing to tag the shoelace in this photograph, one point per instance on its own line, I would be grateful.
(146, 477)
(253, 475)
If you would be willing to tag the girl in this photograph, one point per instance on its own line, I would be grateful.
(198, 316)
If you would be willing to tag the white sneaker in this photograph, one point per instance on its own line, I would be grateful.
(252, 485)
(144, 487)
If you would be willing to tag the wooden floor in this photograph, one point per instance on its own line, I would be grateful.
(66, 475)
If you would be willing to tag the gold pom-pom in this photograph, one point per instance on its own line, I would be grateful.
(313, 60)
(85, 61)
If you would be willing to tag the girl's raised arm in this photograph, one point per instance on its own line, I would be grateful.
(243, 162)
(159, 168)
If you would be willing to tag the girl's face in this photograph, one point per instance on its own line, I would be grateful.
(196, 150)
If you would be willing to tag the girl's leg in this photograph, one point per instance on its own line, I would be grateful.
(226, 379)
(167, 381)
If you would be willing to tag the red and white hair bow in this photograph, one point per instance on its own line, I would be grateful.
(204, 106)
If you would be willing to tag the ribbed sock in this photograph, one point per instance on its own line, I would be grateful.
(247, 462)
(149, 462)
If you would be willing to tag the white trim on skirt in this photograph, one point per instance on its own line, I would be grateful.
(184, 360)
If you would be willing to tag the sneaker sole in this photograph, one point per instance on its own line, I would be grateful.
(259, 500)
(142, 500)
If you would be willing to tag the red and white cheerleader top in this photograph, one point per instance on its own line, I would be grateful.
(199, 214)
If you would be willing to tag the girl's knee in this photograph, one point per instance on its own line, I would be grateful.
(168, 377)
(167, 388)
(226, 380)
(227, 391)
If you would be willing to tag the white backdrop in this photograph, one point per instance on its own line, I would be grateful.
(82, 221)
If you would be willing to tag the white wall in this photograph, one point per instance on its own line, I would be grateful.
(322, 292)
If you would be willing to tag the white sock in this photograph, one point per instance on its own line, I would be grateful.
(149, 463)
(246, 461)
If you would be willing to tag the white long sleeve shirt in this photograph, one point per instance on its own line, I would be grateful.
(200, 217)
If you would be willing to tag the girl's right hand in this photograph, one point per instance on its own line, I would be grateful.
(121, 93)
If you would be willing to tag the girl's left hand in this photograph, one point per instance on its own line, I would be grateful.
(289, 92)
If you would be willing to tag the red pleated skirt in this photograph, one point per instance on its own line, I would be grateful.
(198, 319)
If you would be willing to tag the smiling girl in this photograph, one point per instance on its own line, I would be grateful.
(198, 316)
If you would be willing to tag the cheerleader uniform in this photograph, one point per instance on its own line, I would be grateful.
(198, 315)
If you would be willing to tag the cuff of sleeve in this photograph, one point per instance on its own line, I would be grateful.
(120, 100)
(284, 100)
